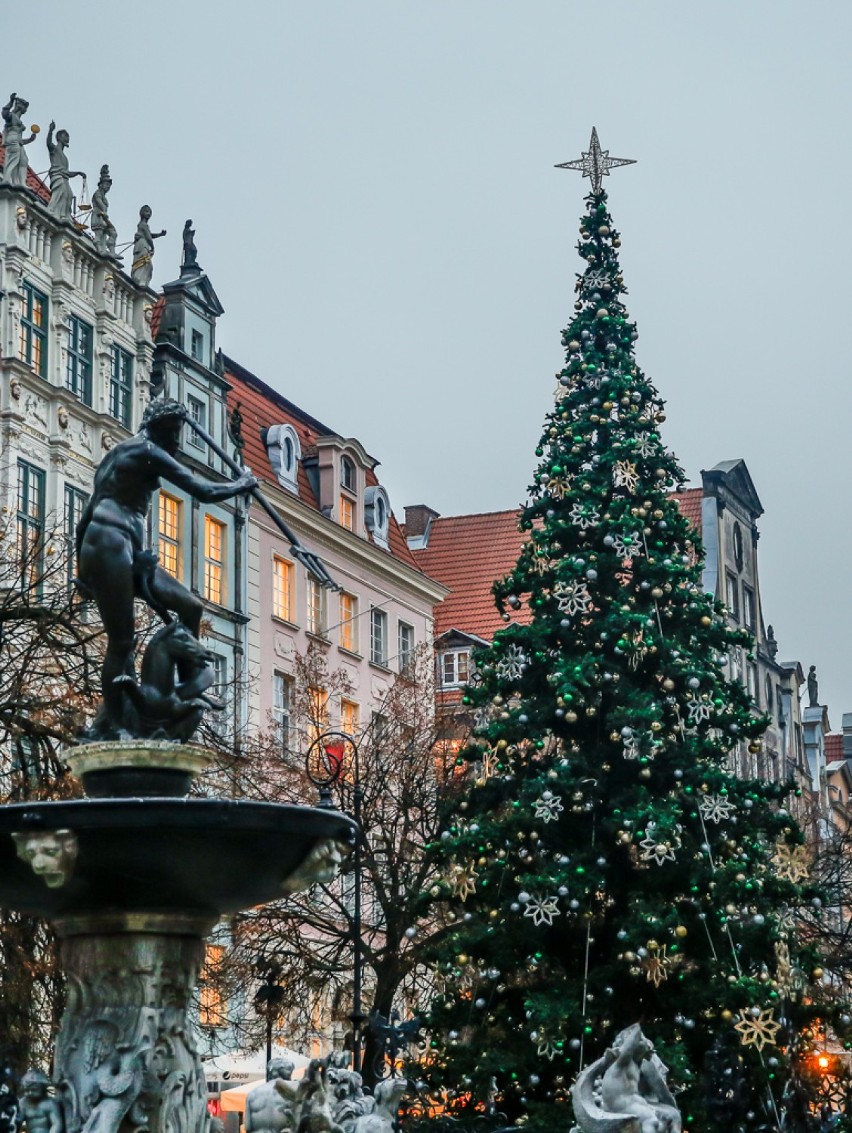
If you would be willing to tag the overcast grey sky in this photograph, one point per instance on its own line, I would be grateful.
(373, 190)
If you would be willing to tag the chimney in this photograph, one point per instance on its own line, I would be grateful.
(418, 520)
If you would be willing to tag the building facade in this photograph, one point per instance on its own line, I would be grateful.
(75, 362)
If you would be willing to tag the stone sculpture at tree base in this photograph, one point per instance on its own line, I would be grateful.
(625, 1091)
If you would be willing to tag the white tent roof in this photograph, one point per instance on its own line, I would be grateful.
(240, 1067)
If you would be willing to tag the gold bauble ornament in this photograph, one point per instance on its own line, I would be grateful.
(818, 973)
(726, 1016)
(706, 621)
(681, 931)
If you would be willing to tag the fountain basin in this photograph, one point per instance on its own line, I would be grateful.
(189, 857)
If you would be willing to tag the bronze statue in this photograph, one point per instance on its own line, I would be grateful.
(114, 568)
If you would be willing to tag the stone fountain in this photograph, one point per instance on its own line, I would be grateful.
(134, 876)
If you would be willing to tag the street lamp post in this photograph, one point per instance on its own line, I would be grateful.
(329, 756)
(267, 1000)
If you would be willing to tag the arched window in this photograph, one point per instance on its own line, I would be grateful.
(377, 514)
(282, 444)
(347, 474)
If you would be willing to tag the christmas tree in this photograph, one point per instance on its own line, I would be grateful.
(603, 866)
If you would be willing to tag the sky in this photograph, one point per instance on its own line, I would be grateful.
(374, 198)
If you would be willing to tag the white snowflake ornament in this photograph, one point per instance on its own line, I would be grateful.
(511, 665)
(572, 597)
(542, 909)
(716, 808)
(548, 807)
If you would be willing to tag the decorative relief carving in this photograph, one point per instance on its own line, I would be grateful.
(35, 410)
(51, 854)
(125, 1059)
(319, 867)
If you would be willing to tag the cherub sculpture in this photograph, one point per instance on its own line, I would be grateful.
(625, 1091)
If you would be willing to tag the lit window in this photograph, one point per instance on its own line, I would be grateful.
(748, 607)
(316, 602)
(31, 483)
(211, 1005)
(282, 589)
(121, 385)
(348, 624)
(317, 713)
(347, 473)
(347, 513)
(170, 525)
(406, 646)
(454, 668)
(732, 595)
(350, 717)
(198, 412)
(214, 559)
(378, 637)
(78, 372)
(75, 501)
(281, 690)
(32, 340)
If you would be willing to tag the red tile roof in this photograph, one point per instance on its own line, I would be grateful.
(262, 407)
(33, 181)
(468, 553)
(156, 316)
(689, 502)
(834, 747)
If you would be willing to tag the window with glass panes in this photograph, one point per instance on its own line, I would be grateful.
(348, 623)
(315, 597)
(748, 607)
(378, 636)
(347, 473)
(317, 713)
(170, 519)
(281, 694)
(121, 385)
(454, 667)
(75, 501)
(732, 596)
(31, 482)
(78, 370)
(405, 649)
(32, 337)
(282, 589)
(350, 717)
(198, 412)
(214, 560)
(347, 513)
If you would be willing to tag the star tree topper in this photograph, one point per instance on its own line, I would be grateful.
(596, 163)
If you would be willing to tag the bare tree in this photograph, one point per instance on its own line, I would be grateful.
(49, 663)
(403, 767)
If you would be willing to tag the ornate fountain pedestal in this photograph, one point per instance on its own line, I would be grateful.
(125, 1056)
(133, 885)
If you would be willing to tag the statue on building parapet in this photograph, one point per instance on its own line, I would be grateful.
(771, 643)
(61, 197)
(190, 252)
(102, 227)
(813, 688)
(114, 568)
(625, 1091)
(39, 1112)
(15, 163)
(143, 248)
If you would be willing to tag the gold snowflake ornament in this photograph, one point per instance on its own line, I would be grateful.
(462, 880)
(791, 862)
(757, 1027)
(657, 966)
(624, 475)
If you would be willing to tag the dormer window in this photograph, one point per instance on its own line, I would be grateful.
(348, 487)
(285, 451)
(347, 474)
(377, 514)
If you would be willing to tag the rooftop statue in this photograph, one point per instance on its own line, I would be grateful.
(114, 569)
(15, 163)
(190, 252)
(103, 228)
(143, 248)
(61, 197)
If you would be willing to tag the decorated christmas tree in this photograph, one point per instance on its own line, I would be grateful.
(602, 866)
